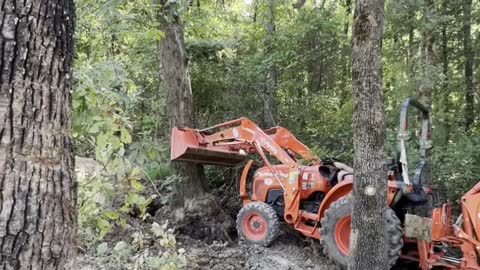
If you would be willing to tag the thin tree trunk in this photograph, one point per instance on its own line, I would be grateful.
(445, 87)
(269, 99)
(38, 191)
(411, 48)
(425, 91)
(426, 85)
(177, 85)
(468, 54)
(348, 12)
(368, 236)
(345, 91)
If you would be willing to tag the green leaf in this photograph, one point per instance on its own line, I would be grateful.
(137, 186)
(125, 136)
(102, 248)
(102, 140)
(136, 174)
(102, 224)
(120, 246)
(154, 34)
(113, 215)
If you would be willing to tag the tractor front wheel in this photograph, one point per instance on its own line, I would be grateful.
(335, 233)
(258, 223)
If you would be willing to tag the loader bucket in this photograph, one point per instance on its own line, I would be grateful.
(186, 145)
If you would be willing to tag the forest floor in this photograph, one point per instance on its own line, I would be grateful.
(284, 254)
(290, 251)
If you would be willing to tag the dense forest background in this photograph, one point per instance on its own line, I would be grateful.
(274, 61)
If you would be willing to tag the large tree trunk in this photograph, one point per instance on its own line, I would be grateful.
(176, 82)
(468, 53)
(368, 238)
(38, 191)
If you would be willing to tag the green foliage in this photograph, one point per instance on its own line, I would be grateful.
(98, 198)
(457, 164)
(153, 249)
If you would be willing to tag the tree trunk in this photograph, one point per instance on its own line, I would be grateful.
(176, 82)
(269, 99)
(348, 13)
(411, 49)
(445, 87)
(368, 237)
(426, 85)
(38, 191)
(425, 91)
(468, 54)
(345, 91)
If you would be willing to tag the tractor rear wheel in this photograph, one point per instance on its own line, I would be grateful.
(335, 233)
(257, 222)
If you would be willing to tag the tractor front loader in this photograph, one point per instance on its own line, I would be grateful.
(315, 199)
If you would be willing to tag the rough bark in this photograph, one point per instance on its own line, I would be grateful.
(348, 13)
(269, 98)
(425, 91)
(37, 184)
(468, 54)
(445, 63)
(176, 82)
(428, 39)
(367, 240)
(411, 48)
(345, 91)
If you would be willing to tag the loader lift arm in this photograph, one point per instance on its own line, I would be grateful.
(287, 140)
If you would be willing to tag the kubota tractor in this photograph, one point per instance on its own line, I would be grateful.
(315, 199)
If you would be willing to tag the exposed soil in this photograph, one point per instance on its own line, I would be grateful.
(285, 254)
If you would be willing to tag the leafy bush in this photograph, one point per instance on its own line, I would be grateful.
(153, 249)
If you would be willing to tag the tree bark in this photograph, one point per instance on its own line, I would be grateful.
(348, 13)
(38, 191)
(468, 54)
(368, 237)
(426, 85)
(269, 99)
(445, 63)
(180, 111)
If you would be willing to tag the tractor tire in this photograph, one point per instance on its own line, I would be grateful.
(336, 245)
(257, 222)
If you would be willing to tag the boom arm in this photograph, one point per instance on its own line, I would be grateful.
(285, 139)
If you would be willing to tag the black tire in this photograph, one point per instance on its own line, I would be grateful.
(270, 224)
(343, 208)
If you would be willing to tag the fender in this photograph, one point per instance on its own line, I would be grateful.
(345, 188)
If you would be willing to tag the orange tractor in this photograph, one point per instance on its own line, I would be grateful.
(313, 195)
